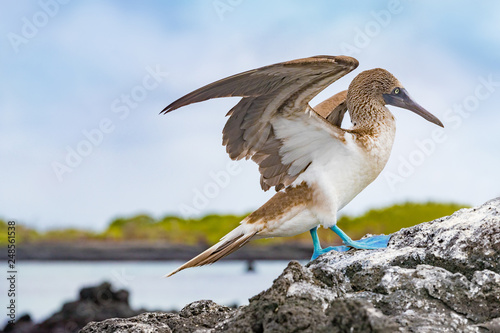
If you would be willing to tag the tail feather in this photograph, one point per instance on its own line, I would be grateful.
(228, 244)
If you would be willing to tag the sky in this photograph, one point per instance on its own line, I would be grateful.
(83, 82)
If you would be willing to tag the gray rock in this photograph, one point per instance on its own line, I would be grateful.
(198, 316)
(439, 276)
(95, 303)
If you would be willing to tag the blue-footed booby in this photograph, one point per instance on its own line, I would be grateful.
(315, 166)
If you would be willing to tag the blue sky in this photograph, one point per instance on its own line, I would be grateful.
(90, 77)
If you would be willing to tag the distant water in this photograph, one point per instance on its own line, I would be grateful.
(44, 286)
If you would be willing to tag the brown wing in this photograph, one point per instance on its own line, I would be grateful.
(333, 108)
(273, 96)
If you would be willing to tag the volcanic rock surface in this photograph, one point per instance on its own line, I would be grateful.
(438, 276)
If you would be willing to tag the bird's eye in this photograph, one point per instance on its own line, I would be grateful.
(396, 91)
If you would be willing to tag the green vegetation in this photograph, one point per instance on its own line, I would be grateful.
(173, 229)
(209, 229)
(23, 234)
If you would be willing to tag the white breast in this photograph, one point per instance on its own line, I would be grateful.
(339, 174)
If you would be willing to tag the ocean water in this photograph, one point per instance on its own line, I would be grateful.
(44, 286)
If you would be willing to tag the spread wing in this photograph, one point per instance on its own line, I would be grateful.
(333, 108)
(273, 123)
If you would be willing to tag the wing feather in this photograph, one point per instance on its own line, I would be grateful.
(273, 123)
(333, 108)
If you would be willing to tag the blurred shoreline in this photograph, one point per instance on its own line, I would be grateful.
(131, 251)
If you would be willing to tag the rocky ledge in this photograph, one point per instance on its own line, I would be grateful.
(94, 304)
(439, 276)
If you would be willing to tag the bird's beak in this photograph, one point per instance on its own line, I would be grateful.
(403, 100)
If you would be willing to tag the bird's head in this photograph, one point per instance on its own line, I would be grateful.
(380, 86)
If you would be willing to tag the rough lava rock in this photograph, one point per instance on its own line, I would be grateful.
(439, 276)
(94, 303)
(199, 316)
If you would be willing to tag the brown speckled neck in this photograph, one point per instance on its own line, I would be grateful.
(365, 101)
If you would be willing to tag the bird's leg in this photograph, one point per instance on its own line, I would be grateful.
(371, 243)
(317, 246)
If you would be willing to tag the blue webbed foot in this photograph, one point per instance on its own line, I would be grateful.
(370, 243)
(318, 252)
(317, 247)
